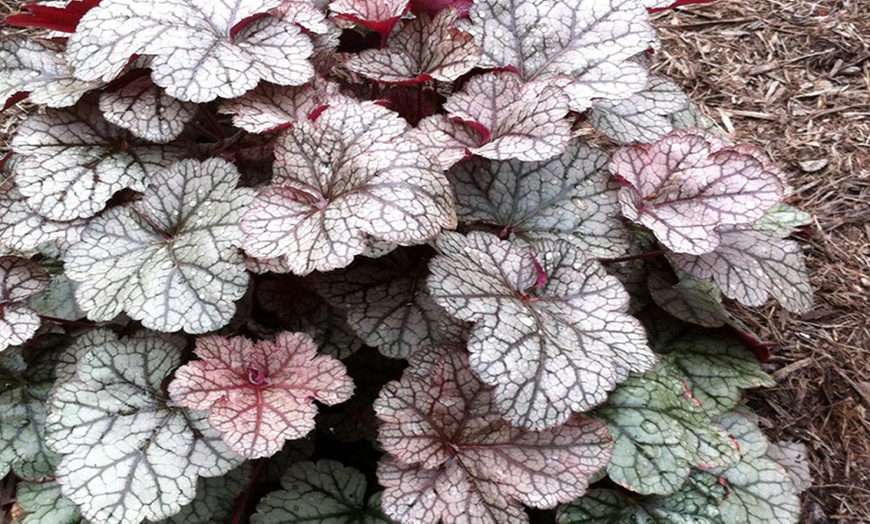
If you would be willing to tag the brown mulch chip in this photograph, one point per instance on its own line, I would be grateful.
(793, 77)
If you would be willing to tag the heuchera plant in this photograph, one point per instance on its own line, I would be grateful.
(346, 261)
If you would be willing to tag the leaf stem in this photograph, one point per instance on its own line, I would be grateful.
(629, 258)
(71, 323)
(242, 501)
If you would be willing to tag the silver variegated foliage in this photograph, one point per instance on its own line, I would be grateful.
(145, 110)
(39, 68)
(644, 116)
(215, 498)
(199, 51)
(570, 197)
(23, 229)
(72, 161)
(171, 259)
(550, 330)
(128, 454)
(591, 40)
(20, 279)
(42, 503)
(270, 106)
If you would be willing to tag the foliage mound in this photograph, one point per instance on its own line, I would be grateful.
(348, 261)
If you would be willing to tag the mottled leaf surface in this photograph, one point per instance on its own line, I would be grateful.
(424, 49)
(322, 492)
(25, 387)
(128, 454)
(42, 503)
(569, 197)
(516, 119)
(20, 279)
(715, 370)
(171, 259)
(39, 68)
(454, 458)
(349, 175)
(688, 184)
(591, 40)
(58, 300)
(386, 301)
(691, 300)
(260, 394)
(660, 435)
(145, 110)
(644, 116)
(794, 457)
(23, 229)
(754, 262)
(215, 498)
(270, 106)
(198, 50)
(550, 329)
(73, 161)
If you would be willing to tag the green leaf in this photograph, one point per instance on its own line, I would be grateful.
(660, 434)
(715, 370)
(691, 300)
(324, 492)
(43, 503)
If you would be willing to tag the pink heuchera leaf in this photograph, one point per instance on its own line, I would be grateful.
(269, 107)
(688, 184)
(454, 459)
(378, 15)
(424, 49)
(199, 50)
(145, 110)
(64, 19)
(432, 7)
(304, 13)
(39, 68)
(591, 40)
(260, 394)
(550, 347)
(509, 118)
(19, 279)
(349, 175)
(753, 262)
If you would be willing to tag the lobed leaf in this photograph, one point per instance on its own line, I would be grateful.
(550, 329)
(454, 458)
(322, 492)
(569, 197)
(660, 434)
(72, 161)
(386, 302)
(591, 40)
(20, 279)
(425, 48)
(349, 175)
(38, 67)
(200, 50)
(644, 116)
(379, 15)
(754, 262)
(171, 259)
(260, 394)
(145, 110)
(23, 229)
(688, 184)
(691, 300)
(128, 454)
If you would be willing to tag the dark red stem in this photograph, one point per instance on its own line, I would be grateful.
(629, 258)
(71, 323)
(242, 501)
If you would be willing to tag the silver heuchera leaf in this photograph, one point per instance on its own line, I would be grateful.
(171, 259)
(23, 229)
(642, 117)
(201, 50)
(688, 184)
(350, 174)
(324, 492)
(691, 300)
(269, 107)
(20, 279)
(42, 503)
(793, 457)
(73, 161)
(128, 454)
(215, 498)
(424, 49)
(454, 459)
(386, 301)
(40, 68)
(515, 119)
(660, 435)
(550, 329)
(754, 262)
(591, 40)
(22, 416)
(58, 300)
(570, 197)
(146, 110)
